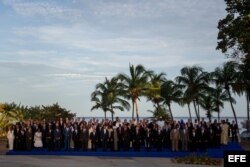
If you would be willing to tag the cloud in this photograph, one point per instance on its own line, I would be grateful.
(43, 9)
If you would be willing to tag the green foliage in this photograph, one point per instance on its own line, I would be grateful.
(160, 114)
(234, 29)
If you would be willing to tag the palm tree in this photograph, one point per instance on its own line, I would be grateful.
(219, 97)
(226, 76)
(170, 92)
(208, 104)
(108, 96)
(135, 84)
(242, 85)
(194, 80)
(153, 89)
(115, 96)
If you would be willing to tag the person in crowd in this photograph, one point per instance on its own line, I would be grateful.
(126, 138)
(175, 137)
(50, 139)
(11, 137)
(67, 136)
(23, 139)
(38, 144)
(93, 139)
(184, 137)
(84, 137)
(193, 139)
(115, 139)
(57, 138)
(137, 139)
(203, 139)
(148, 139)
(104, 137)
(158, 138)
(234, 130)
(29, 139)
(17, 140)
(224, 132)
(76, 137)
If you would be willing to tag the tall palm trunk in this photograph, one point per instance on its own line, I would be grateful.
(231, 103)
(218, 115)
(136, 110)
(190, 116)
(112, 113)
(133, 109)
(198, 111)
(171, 114)
(197, 116)
(105, 115)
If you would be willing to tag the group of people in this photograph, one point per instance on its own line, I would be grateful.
(107, 135)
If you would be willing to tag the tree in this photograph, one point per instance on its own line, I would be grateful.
(170, 92)
(99, 97)
(135, 84)
(115, 96)
(234, 30)
(108, 96)
(219, 97)
(208, 104)
(153, 89)
(226, 76)
(160, 114)
(193, 80)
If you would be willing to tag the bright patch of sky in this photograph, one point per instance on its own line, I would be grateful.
(57, 51)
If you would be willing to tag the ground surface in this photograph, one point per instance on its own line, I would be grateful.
(80, 161)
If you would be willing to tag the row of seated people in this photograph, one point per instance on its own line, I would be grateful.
(119, 136)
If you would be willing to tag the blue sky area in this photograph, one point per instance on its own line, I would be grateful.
(58, 50)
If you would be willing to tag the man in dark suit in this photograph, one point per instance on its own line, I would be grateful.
(193, 139)
(50, 138)
(234, 129)
(137, 139)
(148, 139)
(126, 138)
(104, 137)
(57, 138)
(203, 139)
(84, 137)
(94, 139)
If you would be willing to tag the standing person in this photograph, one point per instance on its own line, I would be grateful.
(203, 139)
(224, 133)
(116, 139)
(67, 136)
(137, 139)
(29, 137)
(23, 139)
(38, 144)
(234, 130)
(193, 139)
(158, 138)
(10, 137)
(184, 137)
(175, 137)
(148, 139)
(104, 137)
(120, 137)
(57, 138)
(84, 137)
(76, 138)
(93, 139)
(49, 139)
(17, 140)
(126, 138)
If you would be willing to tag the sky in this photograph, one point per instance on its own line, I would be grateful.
(58, 50)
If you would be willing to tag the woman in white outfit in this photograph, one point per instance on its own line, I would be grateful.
(10, 137)
(38, 139)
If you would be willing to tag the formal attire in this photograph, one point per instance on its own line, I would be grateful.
(38, 140)
(11, 137)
